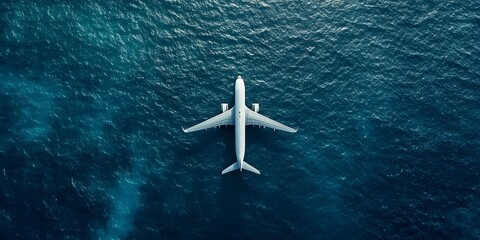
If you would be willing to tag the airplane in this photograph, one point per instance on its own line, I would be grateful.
(240, 116)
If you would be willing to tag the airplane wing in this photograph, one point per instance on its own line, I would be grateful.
(225, 118)
(253, 118)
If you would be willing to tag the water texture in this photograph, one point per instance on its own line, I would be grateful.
(93, 95)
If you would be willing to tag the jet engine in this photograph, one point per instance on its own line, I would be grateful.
(255, 107)
(224, 107)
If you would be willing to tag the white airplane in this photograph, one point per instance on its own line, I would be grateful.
(240, 116)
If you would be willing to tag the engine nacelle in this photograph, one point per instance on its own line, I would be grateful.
(255, 107)
(224, 107)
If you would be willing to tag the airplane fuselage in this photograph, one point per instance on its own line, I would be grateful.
(239, 116)
(240, 121)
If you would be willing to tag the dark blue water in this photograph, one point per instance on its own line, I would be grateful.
(386, 95)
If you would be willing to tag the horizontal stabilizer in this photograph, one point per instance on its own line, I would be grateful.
(249, 167)
(232, 167)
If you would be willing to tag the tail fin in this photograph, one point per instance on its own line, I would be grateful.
(249, 167)
(230, 168)
(245, 166)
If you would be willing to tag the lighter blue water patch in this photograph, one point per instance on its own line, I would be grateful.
(126, 200)
(126, 196)
(34, 102)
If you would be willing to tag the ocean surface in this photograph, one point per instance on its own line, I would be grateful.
(94, 95)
